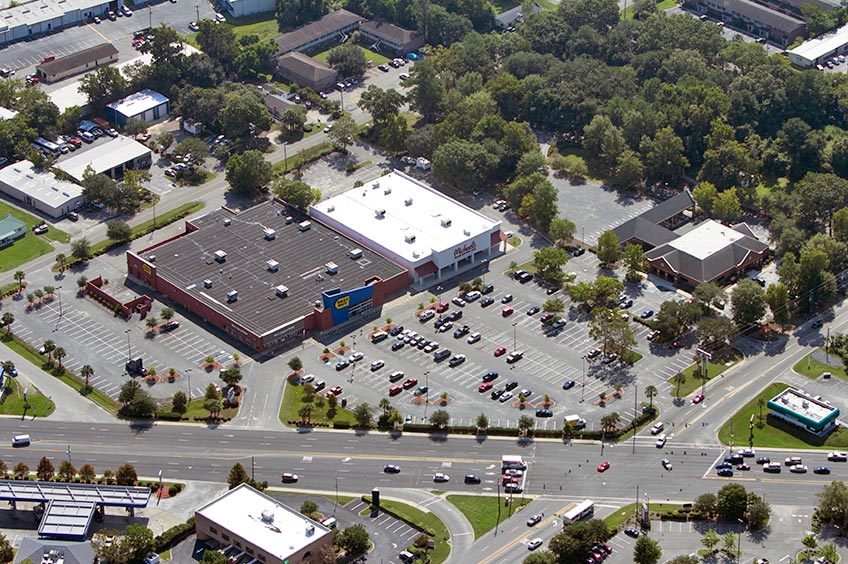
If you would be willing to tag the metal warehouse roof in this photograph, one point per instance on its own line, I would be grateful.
(112, 496)
(42, 185)
(822, 45)
(138, 103)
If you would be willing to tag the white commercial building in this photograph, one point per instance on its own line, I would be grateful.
(146, 105)
(254, 527)
(819, 49)
(242, 8)
(39, 17)
(111, 158)
(433, 236)
(6, 114)
(40, 189)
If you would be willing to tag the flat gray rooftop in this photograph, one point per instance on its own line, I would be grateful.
(188, 261)
(116, 496)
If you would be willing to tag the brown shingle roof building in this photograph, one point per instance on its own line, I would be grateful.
(306, 71)
(81, 61)
(332, 27)
(388, 35)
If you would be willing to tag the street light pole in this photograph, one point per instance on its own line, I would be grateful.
(583, 388)
(188, 376)
(337, 496)
(514, 339)
(61, 311)
(426, 399)
(129, 348)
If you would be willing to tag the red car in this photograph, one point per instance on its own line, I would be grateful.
(395, 390)
(507, 311)
(336, 390)
(603, 467)
(485, 386)
(500, 351)
(698, 398)
(410, 383)
(442, 307)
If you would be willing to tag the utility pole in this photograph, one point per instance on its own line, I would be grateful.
(498, 521)
(583, 388)
(197, 9)
(635, 414)
(129, 348)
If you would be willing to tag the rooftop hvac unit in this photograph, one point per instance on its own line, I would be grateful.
(409, 238)
(466, 232)
(220, 256)
(805, 404)
(387, 190)
(272, 265)
(310, 529)
(376, 184)
(281, 291)
(408, 201)
(270, 234)
(228, 221)
(355, 254)
(332, 268)
(415, 254)
(380, 212)
(232, 296)
(446, 222)
(207, 283)
(267, 516)
(331, 208)
(784, 399)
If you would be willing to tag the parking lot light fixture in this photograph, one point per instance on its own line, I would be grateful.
(59, 291)
(583, 388)
(129, 348)
(188, 377)
(514, 341)
(427, 397)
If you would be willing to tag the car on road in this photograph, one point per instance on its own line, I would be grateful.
(666, 463)
(792, 461)
(661, 441)
(578, 252)
(533, 544)
(458, 301)
(485, 387)
(817, 324)
(544, 412)
(426, 316)
(725, 472)
(698, 398)
(653, 334)
(377, 365)
(490, 375)
(763, 460)
(500, 351)
(336, 390)
(798, 469)
(439, 477)
(772, 468)
(472, 479)
(747, 452)
(533, 310)
(507, 311)
(514, 356)
(837, 456)
(646, 314)
(456, 360)
(603, 466)
(505, 397)
(657, 428)
(410, 383)
(743, 467)
(821, 470)
(289, 478)
(632, 532)
(391, 469)
(568, 384)
(461, 331)
(534, 519)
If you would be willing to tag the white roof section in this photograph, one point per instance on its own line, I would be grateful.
(263, 521)
(822, 45)
(42, 185)
(804, 404)
(138, 103)
(706, 239)
(35, 12)
(7, 114)
(107, 156)
(409, 208)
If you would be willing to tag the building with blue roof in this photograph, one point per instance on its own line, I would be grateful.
(813, 414)
(11, 229)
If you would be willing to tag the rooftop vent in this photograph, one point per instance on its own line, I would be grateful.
(232, 296)
(331, 208)
(228, 221)
(376, 184)
(387, 190)
(466, 232)
(446, 222)
(332, 268)
(409, 238)
(805, 404)
(207, 283)
(270, 234)
(784, 399)
(281, 291)
(272, 265)
(267, 516)
(355, 254)
(408, 201)
(310, 529)
(220, 256)
(380, 212)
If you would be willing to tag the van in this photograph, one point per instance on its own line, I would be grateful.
(657, 428)
(406, 556)
(20, 440)
(379, 336)
(330, 523)
(442, 354)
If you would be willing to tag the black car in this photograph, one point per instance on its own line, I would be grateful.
(511, 385)
(578, 251)
(496, 393)
(472, 479)
(568, 384)
(763, 460)
(461, 331)
(525, 278)
(551, 290)
(396, 330)
(490, 375)
(486, 302)
(397, 345)
(533, 310)
(544, 413)
(342, 364)
(455, 315)
(632, 532)
(487, 289)
(821, 470)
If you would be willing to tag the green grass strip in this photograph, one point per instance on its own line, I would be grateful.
(482, 511)
(293, 400)
(813, 369)
(428, 522)
(36, 403)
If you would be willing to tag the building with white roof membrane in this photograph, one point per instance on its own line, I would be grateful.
(40, 189)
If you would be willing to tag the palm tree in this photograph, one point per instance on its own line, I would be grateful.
(87, 372)
(167, 313)
(305, 412)
(650, 393)
(385, 405)
(30, 297)
(609, 421)
(7, 319)
(49, 290)
(49, 346)
(679, 379)
(760, 403)
(19, 278)
(60, 260)
(60, 353)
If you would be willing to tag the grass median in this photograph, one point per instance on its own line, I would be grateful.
(693, 380)
(36, 403)
(773, 433)
(482, 511)
(427, 522)
(293, 401)
(628, 513)
(813, 369)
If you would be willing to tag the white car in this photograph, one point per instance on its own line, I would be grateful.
(193, 26)
(328, 128)
(473, 338)
(307, 379)
(356, 357)
(533, 544)
(220, 18)
(459, 301)
(798, 469)
(440, 478)
(661, 441)
(427, 316)
(377, 365)
(837, 456)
